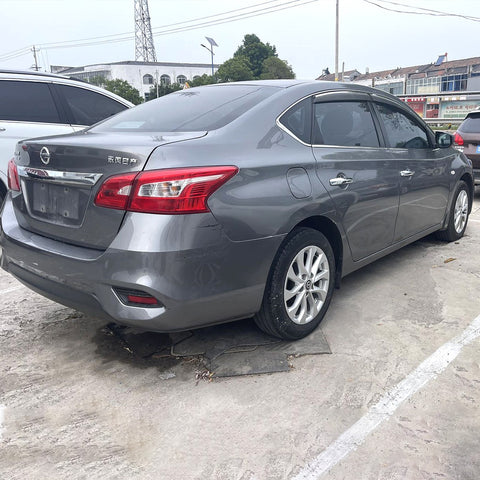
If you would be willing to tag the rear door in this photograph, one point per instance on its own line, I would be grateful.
(355, 168)
(424, 172)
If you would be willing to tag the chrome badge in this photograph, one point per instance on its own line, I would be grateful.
(45, 155)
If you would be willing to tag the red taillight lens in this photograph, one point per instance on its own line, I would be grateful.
(115, 191)
(457, 139)
(171, 191)
(13, 179)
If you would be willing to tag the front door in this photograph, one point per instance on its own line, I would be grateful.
(424, 172)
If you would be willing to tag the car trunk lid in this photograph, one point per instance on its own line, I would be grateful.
(61, 175)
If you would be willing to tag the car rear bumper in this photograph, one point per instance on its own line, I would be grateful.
(210, 279)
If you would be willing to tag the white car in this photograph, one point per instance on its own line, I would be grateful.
(35, 104)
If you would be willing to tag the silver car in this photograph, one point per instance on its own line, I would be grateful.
(229, 201)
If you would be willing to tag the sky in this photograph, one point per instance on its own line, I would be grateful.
(304, 35)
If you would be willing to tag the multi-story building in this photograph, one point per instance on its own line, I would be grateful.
(141, 75)
(444, 89)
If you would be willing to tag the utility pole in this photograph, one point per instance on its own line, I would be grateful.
(336, 43)
(35, 50)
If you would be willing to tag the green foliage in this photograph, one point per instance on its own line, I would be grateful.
(123, 89)
(203, 80)
(235, 69)
(256, 52)
(163, 90)
(274, 68)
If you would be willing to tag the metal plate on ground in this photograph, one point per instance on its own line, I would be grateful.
(232, 349)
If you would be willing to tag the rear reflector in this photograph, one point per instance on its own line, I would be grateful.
(169, 191)
(13, 179)
(136, 298)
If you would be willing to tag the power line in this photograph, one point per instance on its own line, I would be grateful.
(123, 37)
(130, 34)
(425, 11)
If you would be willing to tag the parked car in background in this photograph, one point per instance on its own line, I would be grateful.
(467, 140)
(228, 201)
(34, 104)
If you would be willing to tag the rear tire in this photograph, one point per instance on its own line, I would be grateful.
(458, 216)
(300, 286)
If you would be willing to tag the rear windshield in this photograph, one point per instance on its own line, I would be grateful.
(189, 110)
(471, 124)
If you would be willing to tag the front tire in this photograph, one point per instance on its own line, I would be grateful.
(458, 216)
(300, 286)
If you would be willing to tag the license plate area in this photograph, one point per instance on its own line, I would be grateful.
(59, 204)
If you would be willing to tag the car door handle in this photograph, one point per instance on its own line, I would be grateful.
(2, 129)
(338, 181)
(407, 173)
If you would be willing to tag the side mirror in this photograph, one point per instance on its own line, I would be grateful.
(443, 140)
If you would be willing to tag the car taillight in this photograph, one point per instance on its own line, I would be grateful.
(457, 139)
(13, 179)
(115, 191)
(171, 191)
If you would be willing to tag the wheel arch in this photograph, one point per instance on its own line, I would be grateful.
(328, 228)
(468, 179)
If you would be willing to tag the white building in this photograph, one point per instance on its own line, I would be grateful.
(141, 75)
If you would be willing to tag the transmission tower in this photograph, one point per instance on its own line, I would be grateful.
(144, 47)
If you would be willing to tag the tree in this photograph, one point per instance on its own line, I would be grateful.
(256, 52)
(274, 68)
(123, 89)
(235, 69)
(203, 80)
(163, 89)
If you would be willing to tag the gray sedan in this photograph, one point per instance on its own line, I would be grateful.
(229, 201)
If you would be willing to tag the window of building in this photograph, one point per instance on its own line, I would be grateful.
(27, 102)
(395, 88)
(424, 85)
(181, 79)
(347, 124)
(147, 79)
(454, 83)
(401, 131)
(165, 80)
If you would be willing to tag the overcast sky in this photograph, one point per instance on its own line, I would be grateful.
(304, 35)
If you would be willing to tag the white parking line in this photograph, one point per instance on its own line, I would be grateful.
(356, 435)
(2, 417)
(12, 289)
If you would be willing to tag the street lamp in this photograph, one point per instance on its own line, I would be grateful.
(212, 43)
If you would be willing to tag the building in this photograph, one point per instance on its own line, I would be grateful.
(141, 75)
(445, 89)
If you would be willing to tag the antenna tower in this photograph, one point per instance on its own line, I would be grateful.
(144, 47)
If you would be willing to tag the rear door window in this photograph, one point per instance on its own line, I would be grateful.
(27, 102)
(88, 107)
(348, 124)
(401, 130)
